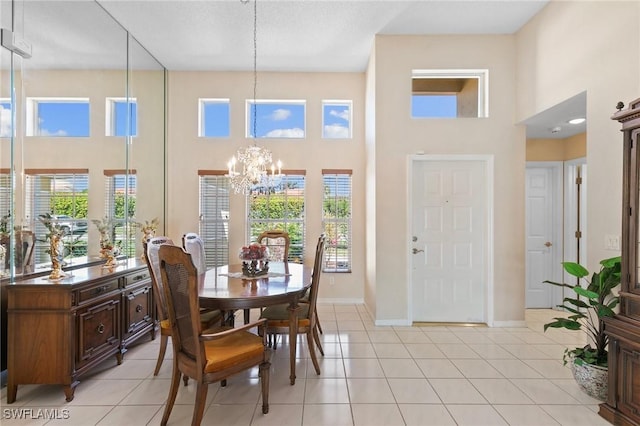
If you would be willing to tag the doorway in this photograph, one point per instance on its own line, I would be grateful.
(450, 199)
(543, 232)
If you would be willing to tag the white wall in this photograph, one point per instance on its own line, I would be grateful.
(188, 153)
(397, 135)
(576, 46)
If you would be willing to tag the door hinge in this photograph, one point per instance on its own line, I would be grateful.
(578, 181)
(578, 234)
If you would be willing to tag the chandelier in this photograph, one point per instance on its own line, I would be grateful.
(248, 169)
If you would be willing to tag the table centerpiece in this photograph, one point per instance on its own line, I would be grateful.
(255, 260)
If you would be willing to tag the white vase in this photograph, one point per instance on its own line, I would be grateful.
(592, 379)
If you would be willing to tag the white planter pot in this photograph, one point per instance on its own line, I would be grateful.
(592, 379)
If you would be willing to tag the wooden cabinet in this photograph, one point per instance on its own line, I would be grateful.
(59, 330)
(623, 403)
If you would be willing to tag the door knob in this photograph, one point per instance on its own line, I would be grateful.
(416, 251)
(548, 244)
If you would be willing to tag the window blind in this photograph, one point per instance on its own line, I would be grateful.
(336, 220)
(214, 216)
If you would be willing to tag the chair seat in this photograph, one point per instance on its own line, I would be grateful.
(232, 349)
(278, 315)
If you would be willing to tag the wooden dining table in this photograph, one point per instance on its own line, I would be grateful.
(221, 288)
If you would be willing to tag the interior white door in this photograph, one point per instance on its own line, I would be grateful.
(541, 242)
(449, 225)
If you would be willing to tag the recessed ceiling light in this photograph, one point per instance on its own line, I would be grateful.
(577, 120)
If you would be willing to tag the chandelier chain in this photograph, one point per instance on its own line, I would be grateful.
(255, 67)
(253, 160)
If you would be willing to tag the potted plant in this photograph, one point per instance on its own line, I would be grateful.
(588, 307)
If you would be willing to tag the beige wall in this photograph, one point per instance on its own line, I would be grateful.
(397, 136)
(575, 46)
(557, 149)
(188, 153)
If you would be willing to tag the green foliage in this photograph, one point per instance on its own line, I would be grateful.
(591, 305)
(73, 205)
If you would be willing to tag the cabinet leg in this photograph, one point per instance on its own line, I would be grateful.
(12, 392)
(119, 357)
(69, 391)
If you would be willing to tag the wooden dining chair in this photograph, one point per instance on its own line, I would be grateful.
(205, 357)
(277, 316)
(24, 246)
(193, 244)
(208, 319)
(278, 242)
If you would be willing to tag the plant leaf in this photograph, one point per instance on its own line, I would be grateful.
(575, 269)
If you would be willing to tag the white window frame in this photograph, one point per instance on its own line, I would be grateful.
(32, 117)
(127, 239)
(214, 223)
(202, 102)
(349, 103)
(482, 75)
(110, 115)
(331, 246)
(249, 122)
(294, 247)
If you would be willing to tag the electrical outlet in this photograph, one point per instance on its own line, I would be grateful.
(332, 281)
(612, 242)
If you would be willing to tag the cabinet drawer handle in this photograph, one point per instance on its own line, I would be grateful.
(100, 328)
(139, 308)
(138, 277)
(102, 289)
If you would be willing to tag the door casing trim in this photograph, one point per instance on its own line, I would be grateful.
(488, 161)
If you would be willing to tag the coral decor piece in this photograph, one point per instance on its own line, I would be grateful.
(56, 247)
(255, 259)
(108, 250)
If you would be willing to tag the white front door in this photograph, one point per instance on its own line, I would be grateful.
(543, 239)
(449, 227)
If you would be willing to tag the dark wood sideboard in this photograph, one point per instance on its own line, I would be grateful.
(59, 330)
(623, 402)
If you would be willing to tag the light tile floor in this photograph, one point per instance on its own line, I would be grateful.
(370, 376)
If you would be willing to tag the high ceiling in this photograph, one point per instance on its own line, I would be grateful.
(292, 35)
(301, 35)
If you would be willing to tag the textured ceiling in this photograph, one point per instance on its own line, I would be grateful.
(292, 35)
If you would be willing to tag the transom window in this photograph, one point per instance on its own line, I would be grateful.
(213, 118)
(276, 119)
(58, 117)
(214, 216)
(336, 220)
(336, 119)
(5, 118)
(282, 207)
(121, 117)
(449, 93)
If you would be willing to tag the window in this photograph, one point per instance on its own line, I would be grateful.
(214, 216)
(280, 206)
(121, 117)
(5, 118)
(336, 220)
(57, 117)
(336, 119)
(276, 119)
(449, 93)
(5, 201)
(213, 118)
(65, 195)
(120, 197)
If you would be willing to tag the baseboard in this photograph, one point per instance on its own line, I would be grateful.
(340, 301)
(509, 324)
(403, 322)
